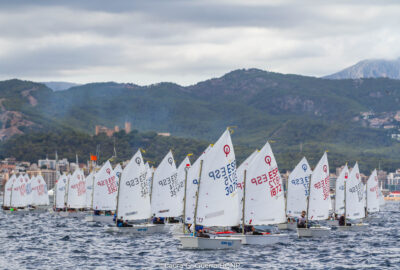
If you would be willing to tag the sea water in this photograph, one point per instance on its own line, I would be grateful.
(47, 241)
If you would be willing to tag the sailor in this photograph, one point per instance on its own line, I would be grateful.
(301, 222)
(342, 221)
(158, 220)
(120, 222)
(254, 232)
(200, 233)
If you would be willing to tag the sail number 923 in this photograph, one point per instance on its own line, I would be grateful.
(228, 174)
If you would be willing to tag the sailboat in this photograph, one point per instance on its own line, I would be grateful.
(165, 201)
(60, 188)
(18, 195)
(263, 198)
(8, 187)
(354, 201)
(133, 200)
(297, 192)
(240, 174)
(104, 191)
(217, 196)
(89, 190)
(40, 192)
(339, 195)
(76, 196)
(372, 195)
(318, 202)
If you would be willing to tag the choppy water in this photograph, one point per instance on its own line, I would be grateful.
(45, 241)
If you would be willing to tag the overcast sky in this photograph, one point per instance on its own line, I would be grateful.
(187, 41)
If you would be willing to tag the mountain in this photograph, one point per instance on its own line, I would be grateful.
(59, 86)
(375, 68)
(353, 119)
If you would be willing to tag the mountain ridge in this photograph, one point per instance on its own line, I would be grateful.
(370, 68)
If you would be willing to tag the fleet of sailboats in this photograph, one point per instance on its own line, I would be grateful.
(210, 194)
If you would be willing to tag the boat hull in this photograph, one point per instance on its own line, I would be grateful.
(102, 219)
(70, 214)
(354, 227)
(190, 242)
(332, 222)
(267, 239)
(313, 232)
(137, 229)
(287, 226)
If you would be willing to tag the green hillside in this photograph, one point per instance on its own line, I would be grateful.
(296, 112)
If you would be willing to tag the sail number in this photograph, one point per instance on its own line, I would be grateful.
(302, 181)
(228, 174)
(272, 178)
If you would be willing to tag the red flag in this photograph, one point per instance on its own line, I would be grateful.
(93, 158)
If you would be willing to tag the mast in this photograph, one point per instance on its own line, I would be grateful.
(184, 200)
(366, 199)
(151, 187)
(66, 194)
(345, 192)
(197, 199)
(244, 201)
(11, 193)
(93, 189)
(116, 210)
(308, 200)
(286, 194)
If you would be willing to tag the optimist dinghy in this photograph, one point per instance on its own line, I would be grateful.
(318, 202)
(133, 200)
(216, 201)
(263, 199)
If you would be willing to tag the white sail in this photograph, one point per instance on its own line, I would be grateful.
(182, 169)
(105, 188)
(218, 195)
(319, 201)
(339, 189)
(118, 170)
(373, 193)
(164, 198)
(354, 195)
(29, 191)
(8, 189)
(264, 195)
(134, 193)
(40, 195)
(19, 193)
(77, 190)
(89, 189)
(298, 188)
(60, 191)
(149, 175)
(191, 187)
(240, 174)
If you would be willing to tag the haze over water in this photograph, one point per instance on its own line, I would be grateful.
(46, 241)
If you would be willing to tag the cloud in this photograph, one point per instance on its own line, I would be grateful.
(187, 41)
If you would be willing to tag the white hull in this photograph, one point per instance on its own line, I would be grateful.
(19, 212)
(267, 239)
(354, 227)
(137, 229)
(102, 219)
(313, 232)
(190, 242)
(179, 235)
(70, 214)
(332, 222)
(287, 226)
